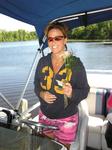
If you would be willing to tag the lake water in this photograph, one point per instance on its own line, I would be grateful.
(16, 60)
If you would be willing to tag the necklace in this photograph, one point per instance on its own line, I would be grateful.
(56, 63)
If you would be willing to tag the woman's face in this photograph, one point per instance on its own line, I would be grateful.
(56, 41)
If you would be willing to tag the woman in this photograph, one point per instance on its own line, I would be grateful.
(50, 72)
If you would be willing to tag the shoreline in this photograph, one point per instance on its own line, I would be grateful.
(109, 41)
(103, 41)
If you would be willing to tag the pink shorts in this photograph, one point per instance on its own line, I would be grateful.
(67, 127)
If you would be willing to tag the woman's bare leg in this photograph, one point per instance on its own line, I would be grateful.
(67, 146)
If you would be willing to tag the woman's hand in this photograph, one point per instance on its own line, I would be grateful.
(47, 97)
(67, 88)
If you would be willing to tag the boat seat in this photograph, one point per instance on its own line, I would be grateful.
(81, 139)
(97, 120)
(95, 123)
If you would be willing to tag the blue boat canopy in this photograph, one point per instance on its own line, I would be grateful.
(74, 12)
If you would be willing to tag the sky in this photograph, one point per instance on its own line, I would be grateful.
(10, 24)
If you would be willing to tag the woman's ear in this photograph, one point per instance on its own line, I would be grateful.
(65, 40)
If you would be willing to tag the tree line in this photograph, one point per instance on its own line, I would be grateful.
(20, 35)
(100, 31)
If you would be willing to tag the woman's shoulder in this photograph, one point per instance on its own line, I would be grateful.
(77, 60)
(78, 64)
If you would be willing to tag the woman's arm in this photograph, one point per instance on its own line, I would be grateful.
(80, 87)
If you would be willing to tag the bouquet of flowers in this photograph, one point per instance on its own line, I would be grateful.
(69, 61)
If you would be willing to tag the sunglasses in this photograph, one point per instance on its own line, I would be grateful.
(56, 38)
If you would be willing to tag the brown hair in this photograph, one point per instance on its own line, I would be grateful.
(56, 25)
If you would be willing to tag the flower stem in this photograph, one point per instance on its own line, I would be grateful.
(65, 101)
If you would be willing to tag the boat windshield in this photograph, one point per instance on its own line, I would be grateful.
(22, 139)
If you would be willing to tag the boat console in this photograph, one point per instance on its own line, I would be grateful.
(26, 135)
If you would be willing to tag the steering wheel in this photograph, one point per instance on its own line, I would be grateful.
(39, 127)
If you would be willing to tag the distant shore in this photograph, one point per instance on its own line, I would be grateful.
(103, 41)
(106, 42)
